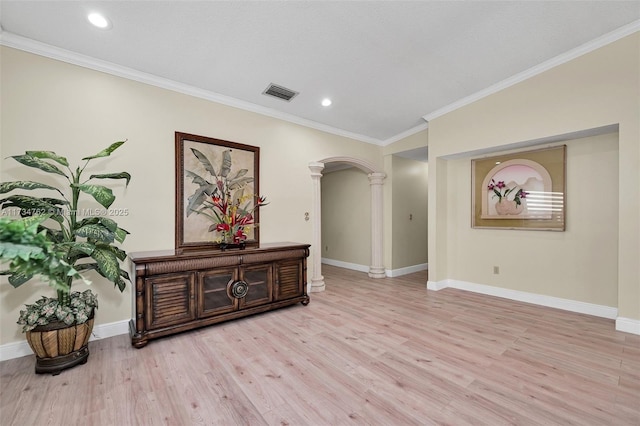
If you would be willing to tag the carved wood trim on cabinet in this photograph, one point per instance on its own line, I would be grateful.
(175, 292)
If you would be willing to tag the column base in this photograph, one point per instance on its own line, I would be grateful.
(377, 272)
(317, 284)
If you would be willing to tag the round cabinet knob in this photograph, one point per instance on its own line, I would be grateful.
(239, 289)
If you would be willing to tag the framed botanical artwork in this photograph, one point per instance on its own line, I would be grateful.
(523, 190)
(217, 183)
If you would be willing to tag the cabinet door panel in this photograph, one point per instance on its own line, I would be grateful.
(170, 300)
(213, 297)
(288, 280)
(258, 279)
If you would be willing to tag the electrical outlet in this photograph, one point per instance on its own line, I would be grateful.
(326, 248)
(496, 270)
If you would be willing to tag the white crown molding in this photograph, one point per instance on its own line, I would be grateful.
(42, 49)
(28, 45)
(412, 131)
(102, 331)
(538, 69)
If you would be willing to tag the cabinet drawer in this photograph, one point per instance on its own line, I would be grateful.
(170, 300)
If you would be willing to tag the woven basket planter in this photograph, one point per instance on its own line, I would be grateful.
(59, 346)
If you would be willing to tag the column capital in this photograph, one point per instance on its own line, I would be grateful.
(316, 169)
(376, 178)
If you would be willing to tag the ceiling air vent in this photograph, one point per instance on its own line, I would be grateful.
(279, 92)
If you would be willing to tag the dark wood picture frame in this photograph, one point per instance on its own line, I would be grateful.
(192, 230)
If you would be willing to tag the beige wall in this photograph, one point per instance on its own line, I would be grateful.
(417, 140)
(578, 264)
(51, 105)
(598, 89)
(409, 222)
(346, 217)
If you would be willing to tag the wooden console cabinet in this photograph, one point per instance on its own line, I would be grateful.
(176, 292)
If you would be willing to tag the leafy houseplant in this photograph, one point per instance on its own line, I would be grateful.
(222, 199)
(56, 241)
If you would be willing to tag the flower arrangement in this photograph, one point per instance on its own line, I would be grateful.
(499, 187)
(222, 199)
(232, 218)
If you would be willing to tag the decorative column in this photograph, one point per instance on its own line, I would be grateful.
(317, 280)
(376, 270)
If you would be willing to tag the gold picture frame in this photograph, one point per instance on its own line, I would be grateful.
(523, 190)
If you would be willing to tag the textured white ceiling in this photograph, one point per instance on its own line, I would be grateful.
(385, 64)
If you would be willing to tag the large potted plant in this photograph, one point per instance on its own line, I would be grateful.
(58, 239)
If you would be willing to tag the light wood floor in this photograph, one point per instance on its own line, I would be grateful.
(377, 352)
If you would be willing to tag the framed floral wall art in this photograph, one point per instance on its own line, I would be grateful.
(523, 190)
(217, 187)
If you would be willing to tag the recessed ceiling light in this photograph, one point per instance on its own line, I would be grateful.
(98, 20)
(326, 102)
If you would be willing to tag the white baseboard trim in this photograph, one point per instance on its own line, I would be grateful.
(437, 285)
(628, 325)
(537, 299)
(102, 331)
(364, 268)
(406, 270)
(346, 265)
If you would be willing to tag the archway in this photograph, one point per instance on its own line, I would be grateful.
(376, 180)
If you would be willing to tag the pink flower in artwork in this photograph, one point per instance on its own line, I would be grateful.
(497, 189)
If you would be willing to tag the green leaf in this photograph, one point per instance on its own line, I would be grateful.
(198, 198)
(32, 222)
(204, 161)
(96, 232)
(79, 248)
(106, 152)
(24, 184)
(225, 168)
(30, 161)
(101, 194)
(87, 267)
(19, 278)
(120, 254)
(108, 265)
(196, 178)
(55, 201)
(110, 224)
(124, 274)
(121, 175)
(121, 234)
(239, 174)
(121, 284)
(239, 183)
(9, 250)
(30, 206)
(50, 155)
